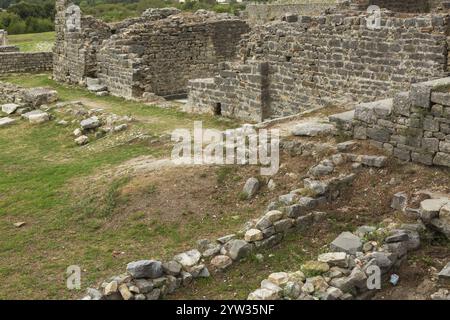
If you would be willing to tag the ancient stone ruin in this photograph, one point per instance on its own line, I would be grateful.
(157, 53)
(13, 61)
(285, 68)
(3, 38)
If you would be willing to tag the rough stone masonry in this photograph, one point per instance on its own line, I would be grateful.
(330, 59)
(413, 126)
(155, 53)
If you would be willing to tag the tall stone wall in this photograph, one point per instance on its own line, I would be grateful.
(162, 56)
(155, 53)
(413, 126)
(77, 40)
(334, 59)
(410, 6)
(18, 62)
(247, 97)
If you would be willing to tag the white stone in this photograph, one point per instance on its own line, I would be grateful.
(338, 259)
(189, 258)
(39, 118)
(279, 278)
(6, 121)
(313, 129)
(82, 140)
(263, 294)
(10, 108)
(253, 235)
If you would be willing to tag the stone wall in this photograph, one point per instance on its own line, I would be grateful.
(331, 59)
(77, 40)
(162, 56)
(9, 49)
(17, 62)
(411, 6)
(247, 97)
(413, 126)
(155, 53)
(260, 13)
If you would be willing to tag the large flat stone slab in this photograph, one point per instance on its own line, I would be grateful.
(313, 129)
(6, 121)
(346, 242)
(10, 108)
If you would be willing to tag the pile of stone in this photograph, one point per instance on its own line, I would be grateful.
(343, 272)
(97, 122)
(290, 213)
(433, 209)
(444, 277)
(24, 103)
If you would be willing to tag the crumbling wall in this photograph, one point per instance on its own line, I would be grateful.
(411, 6)
(77, 40)
(18, 62)
(261, 13)
(161, 56)
(238, 91)
(413, 126)
(335, 59)
(155, 53)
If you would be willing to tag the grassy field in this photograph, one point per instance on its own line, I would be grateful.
(38, 165)
(33, 42)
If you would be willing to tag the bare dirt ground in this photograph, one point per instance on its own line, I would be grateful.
(209, 195)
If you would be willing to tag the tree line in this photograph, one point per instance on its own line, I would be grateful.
(32, 16)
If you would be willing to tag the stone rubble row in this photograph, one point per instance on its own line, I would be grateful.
(342, 273)
(151, 279)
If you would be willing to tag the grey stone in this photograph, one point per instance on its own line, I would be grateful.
(444, 274)
(321, 170)
(82, 140)
(251, 187)
(263, 294)
(283, 225)
(6, 121)
(145, 286)
(145, 269)
(313, 129)
(442, 159)
(39, 118)
(347, 242)
(10, 108)
(397, 236)
(221, 262)
(226, 238)
(288, 199)
(90, 123)
(238, 249)
(399, 201)
(347, 146)
(189, 258)
(172, 268)
(319, 188)
(292, 290)
(154, 295)
(334, 259)
(429, 209)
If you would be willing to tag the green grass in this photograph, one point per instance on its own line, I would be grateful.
(38, 167)
(33, 42)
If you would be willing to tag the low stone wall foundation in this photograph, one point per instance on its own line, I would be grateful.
(18, 62)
